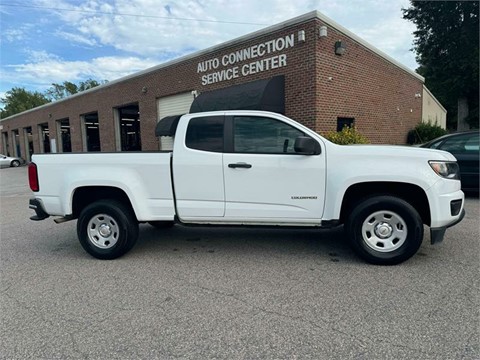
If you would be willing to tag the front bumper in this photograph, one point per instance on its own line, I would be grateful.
(437, 234)
(40, 213)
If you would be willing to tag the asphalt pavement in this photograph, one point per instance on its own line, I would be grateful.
(230, 293)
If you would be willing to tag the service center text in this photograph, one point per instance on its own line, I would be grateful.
(229, 61)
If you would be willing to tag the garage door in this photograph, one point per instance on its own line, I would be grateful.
(173, 105)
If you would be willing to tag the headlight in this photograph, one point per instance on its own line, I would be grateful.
(446, 169)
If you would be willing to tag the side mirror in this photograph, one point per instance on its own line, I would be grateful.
(306, 146)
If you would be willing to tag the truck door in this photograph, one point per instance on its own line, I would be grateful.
(198, 168)
(265, 179)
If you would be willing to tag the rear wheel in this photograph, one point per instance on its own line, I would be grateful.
(15, 163)
(384, 230)
(107, 229)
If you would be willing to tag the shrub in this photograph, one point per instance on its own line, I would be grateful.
(348, 135)
(425, 132)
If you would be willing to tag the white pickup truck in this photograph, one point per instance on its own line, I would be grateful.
(252, 168)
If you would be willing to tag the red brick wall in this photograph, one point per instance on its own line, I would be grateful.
(379, 95)
(363, 85)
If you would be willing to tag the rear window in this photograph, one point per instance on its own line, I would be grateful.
(205, 133)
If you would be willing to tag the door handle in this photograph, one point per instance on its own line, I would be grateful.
(240, 165)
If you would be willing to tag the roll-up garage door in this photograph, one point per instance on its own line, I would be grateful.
(173, 105)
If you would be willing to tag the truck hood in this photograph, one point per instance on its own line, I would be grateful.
(395, 151)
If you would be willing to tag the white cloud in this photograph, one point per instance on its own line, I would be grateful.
(76, 38)
(16, 34)
(13, 34)
(169, 26)
(46, 69)
(39, 56)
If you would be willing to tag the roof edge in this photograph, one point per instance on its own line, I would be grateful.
(434, 98)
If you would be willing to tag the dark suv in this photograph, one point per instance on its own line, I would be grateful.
(465, 147)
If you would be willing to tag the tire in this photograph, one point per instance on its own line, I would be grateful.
(15, 163)
(162, 224)
(384, 230)
(107, 229)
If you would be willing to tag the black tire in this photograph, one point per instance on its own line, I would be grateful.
(384, 230)
(162, 224)
(107, 229)
(15, 163)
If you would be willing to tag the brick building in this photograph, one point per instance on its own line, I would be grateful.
(328, 77)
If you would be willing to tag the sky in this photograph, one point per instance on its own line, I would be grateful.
(52, 41)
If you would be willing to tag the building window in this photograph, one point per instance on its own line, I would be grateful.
(344, 121)
(129, 121)
(44, 137)
(92, 132)
(63, 128)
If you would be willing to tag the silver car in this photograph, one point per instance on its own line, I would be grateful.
(7, 161)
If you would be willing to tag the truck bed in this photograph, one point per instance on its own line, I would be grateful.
(145, 177)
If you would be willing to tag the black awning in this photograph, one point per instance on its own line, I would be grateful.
(167, 126)
(267, 95)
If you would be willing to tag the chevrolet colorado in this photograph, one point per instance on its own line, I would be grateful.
(252, 168)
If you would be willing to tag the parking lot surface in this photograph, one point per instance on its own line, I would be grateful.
(230, 293)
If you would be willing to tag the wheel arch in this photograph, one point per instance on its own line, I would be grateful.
(411, 193)
(85, 195)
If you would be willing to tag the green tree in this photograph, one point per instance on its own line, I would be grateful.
(18, 100)
(446, 45)
(67, 88)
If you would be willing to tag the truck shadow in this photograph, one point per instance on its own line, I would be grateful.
(245, 242)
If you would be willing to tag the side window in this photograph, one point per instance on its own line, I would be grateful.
(205, 133)
(466, 143)
(436, 145)
(473, 144)
(263, 136)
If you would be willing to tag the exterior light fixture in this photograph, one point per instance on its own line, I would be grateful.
(323, 31)
(144, 90)
(418, 95)
(301, 36)
(340, 48)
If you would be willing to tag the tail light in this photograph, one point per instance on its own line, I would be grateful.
(33, 177)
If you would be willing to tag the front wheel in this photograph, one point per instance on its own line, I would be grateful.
(384, 230)
(107, 229)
